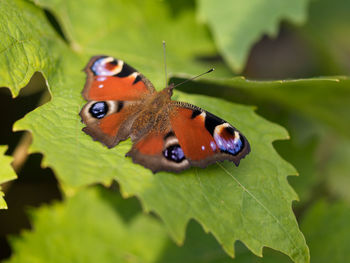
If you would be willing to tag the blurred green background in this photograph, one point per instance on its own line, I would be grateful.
(316, 113)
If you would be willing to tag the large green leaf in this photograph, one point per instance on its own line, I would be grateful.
(87, 228)
(217, 194)
(237, 25)
(251, 203)
(6, 173)
(324, 100)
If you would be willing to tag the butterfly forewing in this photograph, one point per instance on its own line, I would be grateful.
(113, 90)
(206, 138)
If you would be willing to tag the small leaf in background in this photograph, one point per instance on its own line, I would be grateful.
(237, 25)
(87, 228)
(6, 173)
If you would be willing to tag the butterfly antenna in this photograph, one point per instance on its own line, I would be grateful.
(165, 71)
(210, 70)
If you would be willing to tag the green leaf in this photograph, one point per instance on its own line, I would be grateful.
(327, 229)
(72, 230)
(200, 247)
(24, 39)
(6, 173)
(302, 156)
(87, 228)
(303, 96)
(134, 31)
(322, 105)
(237, 25)
(251, 203)
(325, 225)
(216, 194)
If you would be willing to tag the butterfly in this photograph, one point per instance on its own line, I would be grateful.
(167, 135)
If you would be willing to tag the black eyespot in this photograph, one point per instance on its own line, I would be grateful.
(174, 153)
(99, 109)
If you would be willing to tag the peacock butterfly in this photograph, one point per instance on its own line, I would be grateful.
(167, 135)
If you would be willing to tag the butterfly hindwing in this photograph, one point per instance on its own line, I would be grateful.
(108, 121)
(159, 152)
(109, 78)
(194, 138)
(205, 138)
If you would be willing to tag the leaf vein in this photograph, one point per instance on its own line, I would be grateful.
(261, 204)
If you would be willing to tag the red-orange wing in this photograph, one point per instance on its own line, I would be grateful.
(112, 79)
(205, 138)
(112, 89)
(108, 121)
(195, 138)
(159, 151)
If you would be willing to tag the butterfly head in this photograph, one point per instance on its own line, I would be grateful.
(169, 89)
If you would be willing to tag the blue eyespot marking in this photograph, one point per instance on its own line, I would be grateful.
(100, 68)
(174, 153)
(232, 145)
(99, 109)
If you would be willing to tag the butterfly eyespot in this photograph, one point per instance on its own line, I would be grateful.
(99, 109)
(174, 153)
(228, 144)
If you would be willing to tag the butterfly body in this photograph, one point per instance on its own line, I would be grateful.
(154, 114)
(167, 135)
